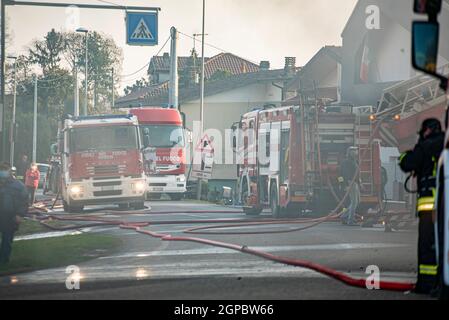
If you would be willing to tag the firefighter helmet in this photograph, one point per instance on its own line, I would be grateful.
(433, 124)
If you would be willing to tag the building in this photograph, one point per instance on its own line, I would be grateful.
(375, 59)
(321, 76)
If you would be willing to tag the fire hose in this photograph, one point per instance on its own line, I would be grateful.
(94, 221)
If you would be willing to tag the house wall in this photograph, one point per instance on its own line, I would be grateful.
(224, 109)
(331, 80)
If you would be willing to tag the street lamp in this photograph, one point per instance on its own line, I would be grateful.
(13, 131)
(86, 32)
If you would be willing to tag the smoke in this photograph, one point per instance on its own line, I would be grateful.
(273, 29)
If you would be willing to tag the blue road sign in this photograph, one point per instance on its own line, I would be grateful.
(141, 28)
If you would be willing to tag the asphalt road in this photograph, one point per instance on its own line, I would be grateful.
(148, 268)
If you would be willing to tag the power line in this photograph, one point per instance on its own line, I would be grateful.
(147, 64)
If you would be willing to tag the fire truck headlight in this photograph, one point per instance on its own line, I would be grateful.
(75, 190)
(181, 179)
(139, 186)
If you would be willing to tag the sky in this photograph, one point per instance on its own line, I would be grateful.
(253, 29)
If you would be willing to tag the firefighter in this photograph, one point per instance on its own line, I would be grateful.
(422, 163)
(347, 174)
(13, 206)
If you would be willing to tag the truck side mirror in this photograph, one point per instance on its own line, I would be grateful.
(425, 40)
(146, 140)
(427, 7)
(183, 117)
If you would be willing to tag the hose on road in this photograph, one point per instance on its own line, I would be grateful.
(139, 228)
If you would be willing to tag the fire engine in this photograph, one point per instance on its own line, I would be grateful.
(101, 162)
(289, 158)
(166, 168)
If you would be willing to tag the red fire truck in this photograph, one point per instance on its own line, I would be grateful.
(166, 169)
(289, 158)
(101, 162)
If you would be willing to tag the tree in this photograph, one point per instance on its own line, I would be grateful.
(54, 59)
(47, 53)
(45, 136)
(138, 85)
(104, 56)
(220, 75)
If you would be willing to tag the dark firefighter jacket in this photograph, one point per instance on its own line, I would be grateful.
(423, 162)
(348, 170)
(13, 202)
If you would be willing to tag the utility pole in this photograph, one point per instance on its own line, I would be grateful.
(113, 89)
(76, 99)
(200, 181)
(86, 32)
(13, 124)
(35, 120)
(173, 95)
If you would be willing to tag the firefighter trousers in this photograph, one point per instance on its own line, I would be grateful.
(427, 262)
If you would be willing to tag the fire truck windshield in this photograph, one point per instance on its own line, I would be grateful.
(103, 138)
(164, 136)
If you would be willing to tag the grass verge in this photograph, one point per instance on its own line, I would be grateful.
(28, 227)
(30, 255)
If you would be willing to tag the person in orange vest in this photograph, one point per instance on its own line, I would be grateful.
(32, 182)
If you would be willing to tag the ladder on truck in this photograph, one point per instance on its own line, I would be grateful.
(410, 97)
(311, 143)
(363, 143)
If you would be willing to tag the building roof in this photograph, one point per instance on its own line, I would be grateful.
(224, 61)
(157, 95)
(319, 66)
(230, 63)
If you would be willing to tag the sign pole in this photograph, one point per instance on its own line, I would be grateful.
(76, 101)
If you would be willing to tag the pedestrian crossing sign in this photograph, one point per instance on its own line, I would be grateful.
(141, 28)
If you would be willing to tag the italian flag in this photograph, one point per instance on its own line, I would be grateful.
(365, 65)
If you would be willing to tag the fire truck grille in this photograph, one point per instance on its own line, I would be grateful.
(106, 170)
(107, 184)
(158, 184)
(107, 193)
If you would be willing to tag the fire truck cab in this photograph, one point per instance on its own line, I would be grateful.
(289, 158)
(101, 162)
(166, 163)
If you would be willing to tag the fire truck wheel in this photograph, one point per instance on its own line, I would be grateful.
(154, 196)
(138, 205)
(72, 209)
(176, 196)
(123, 206)
(252, 211)
(274, 204)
